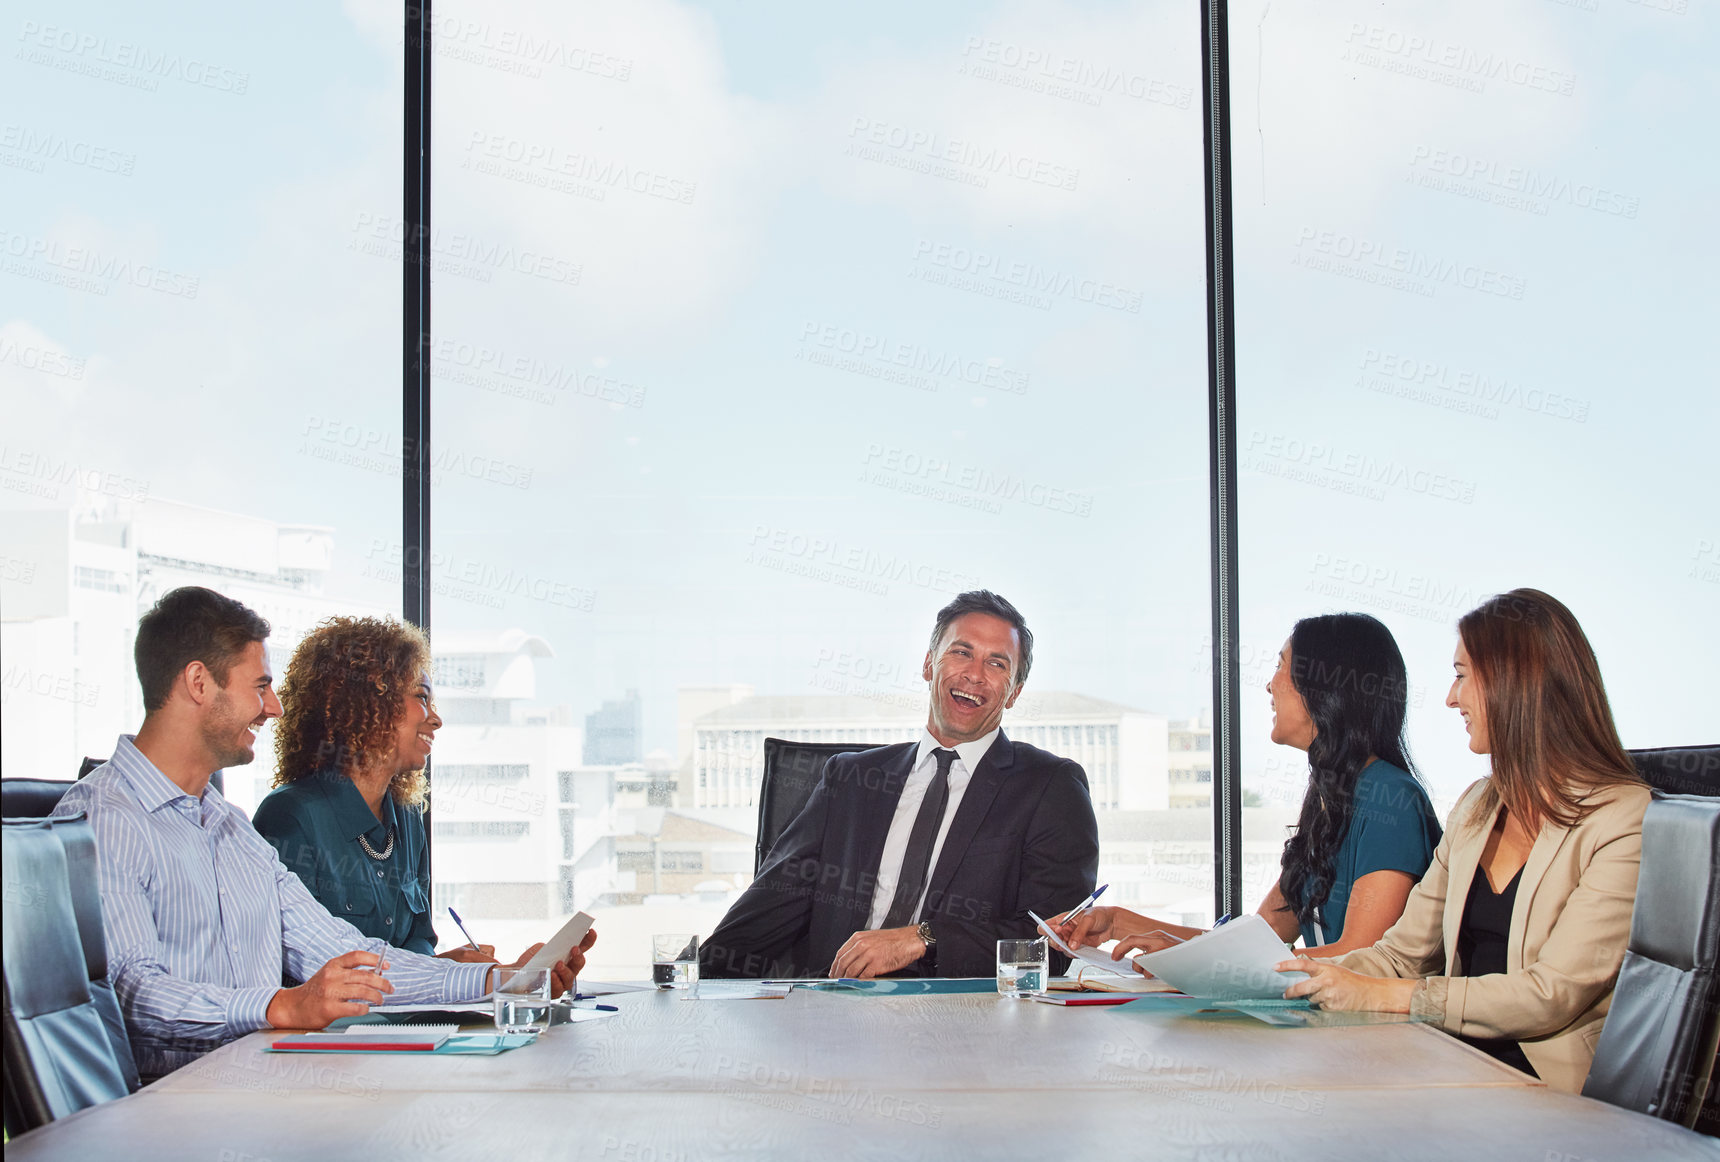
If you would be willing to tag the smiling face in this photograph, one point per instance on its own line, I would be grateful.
(240, 708)
(1291, 724)
(1465, 698)
(972, 675)
(416, 730)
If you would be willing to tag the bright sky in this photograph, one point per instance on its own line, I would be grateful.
(760, 329)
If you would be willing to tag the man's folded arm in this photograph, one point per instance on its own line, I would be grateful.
(311, 937)
(776, 909)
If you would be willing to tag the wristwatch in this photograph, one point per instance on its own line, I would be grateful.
(924, 932)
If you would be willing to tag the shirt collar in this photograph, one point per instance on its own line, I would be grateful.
(153, 789)
(969, 752)
(351, 813)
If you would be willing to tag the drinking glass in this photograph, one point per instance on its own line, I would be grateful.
(675, 961)
(523, 999)
(1023, 967)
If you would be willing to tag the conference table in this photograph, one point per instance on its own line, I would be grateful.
(671, 1078)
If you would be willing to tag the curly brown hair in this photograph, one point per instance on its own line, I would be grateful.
(340, 700)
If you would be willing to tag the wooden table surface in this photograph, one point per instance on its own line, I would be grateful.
(835, 1076)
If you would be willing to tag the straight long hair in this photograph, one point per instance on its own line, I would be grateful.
(1351, 676)
(1549, 726)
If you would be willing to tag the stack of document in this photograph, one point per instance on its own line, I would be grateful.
(1233, 962)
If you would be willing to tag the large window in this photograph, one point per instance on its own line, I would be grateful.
(1472, 261)
(756, 341)
(199, 352)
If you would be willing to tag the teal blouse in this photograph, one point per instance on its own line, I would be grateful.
(314, 824)
(1393, 829)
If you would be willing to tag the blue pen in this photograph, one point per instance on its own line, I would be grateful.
(1222, 920)
(470, 943)
(1085, 904)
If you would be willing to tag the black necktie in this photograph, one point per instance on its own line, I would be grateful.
(917, 860)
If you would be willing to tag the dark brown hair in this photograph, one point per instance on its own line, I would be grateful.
(985, 601)
(191, 624)
(340, 700)
(1549, 727)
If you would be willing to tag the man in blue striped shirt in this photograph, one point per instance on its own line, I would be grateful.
(200, 914)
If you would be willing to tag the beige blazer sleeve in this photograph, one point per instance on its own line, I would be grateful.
(1569, 930)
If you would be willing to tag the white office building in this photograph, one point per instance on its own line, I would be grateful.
(1123, 750)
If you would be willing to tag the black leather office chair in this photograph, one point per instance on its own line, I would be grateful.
(791, 771)
(30, 798)
(1656, 1051)
(1680, 770)
(59, 1054)
(79, 841)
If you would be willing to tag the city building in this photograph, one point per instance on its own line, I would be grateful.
(614, 732)
(1123, 750)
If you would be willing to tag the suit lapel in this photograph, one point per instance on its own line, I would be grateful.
(880, 791)
(1465, 864)
(982, 788)
(1547, 844)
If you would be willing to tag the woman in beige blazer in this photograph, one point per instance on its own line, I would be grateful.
(1552, 839)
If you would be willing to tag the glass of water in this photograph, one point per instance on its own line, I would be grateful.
(523, 999)
(1023, 967)
(675, 961)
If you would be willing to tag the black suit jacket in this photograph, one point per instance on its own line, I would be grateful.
(1023, 838)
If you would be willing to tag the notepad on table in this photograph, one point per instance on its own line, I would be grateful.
(371, 1039)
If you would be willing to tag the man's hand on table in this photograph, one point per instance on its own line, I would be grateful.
(884, 950)
(344, 987)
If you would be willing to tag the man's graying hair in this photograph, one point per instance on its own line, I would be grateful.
(985, 601)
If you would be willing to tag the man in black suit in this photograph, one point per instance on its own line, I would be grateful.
(917, 858)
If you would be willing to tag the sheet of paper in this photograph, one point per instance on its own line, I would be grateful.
(1233, 962)
(742, 990)
(561, 943)
(1093, 957)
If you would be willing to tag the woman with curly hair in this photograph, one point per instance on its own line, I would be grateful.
(358, 722)
(1367, 829)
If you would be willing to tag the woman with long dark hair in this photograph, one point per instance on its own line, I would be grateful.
(1367, 829)
(1514, 937)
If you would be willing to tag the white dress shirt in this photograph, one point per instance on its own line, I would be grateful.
(968, 755)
